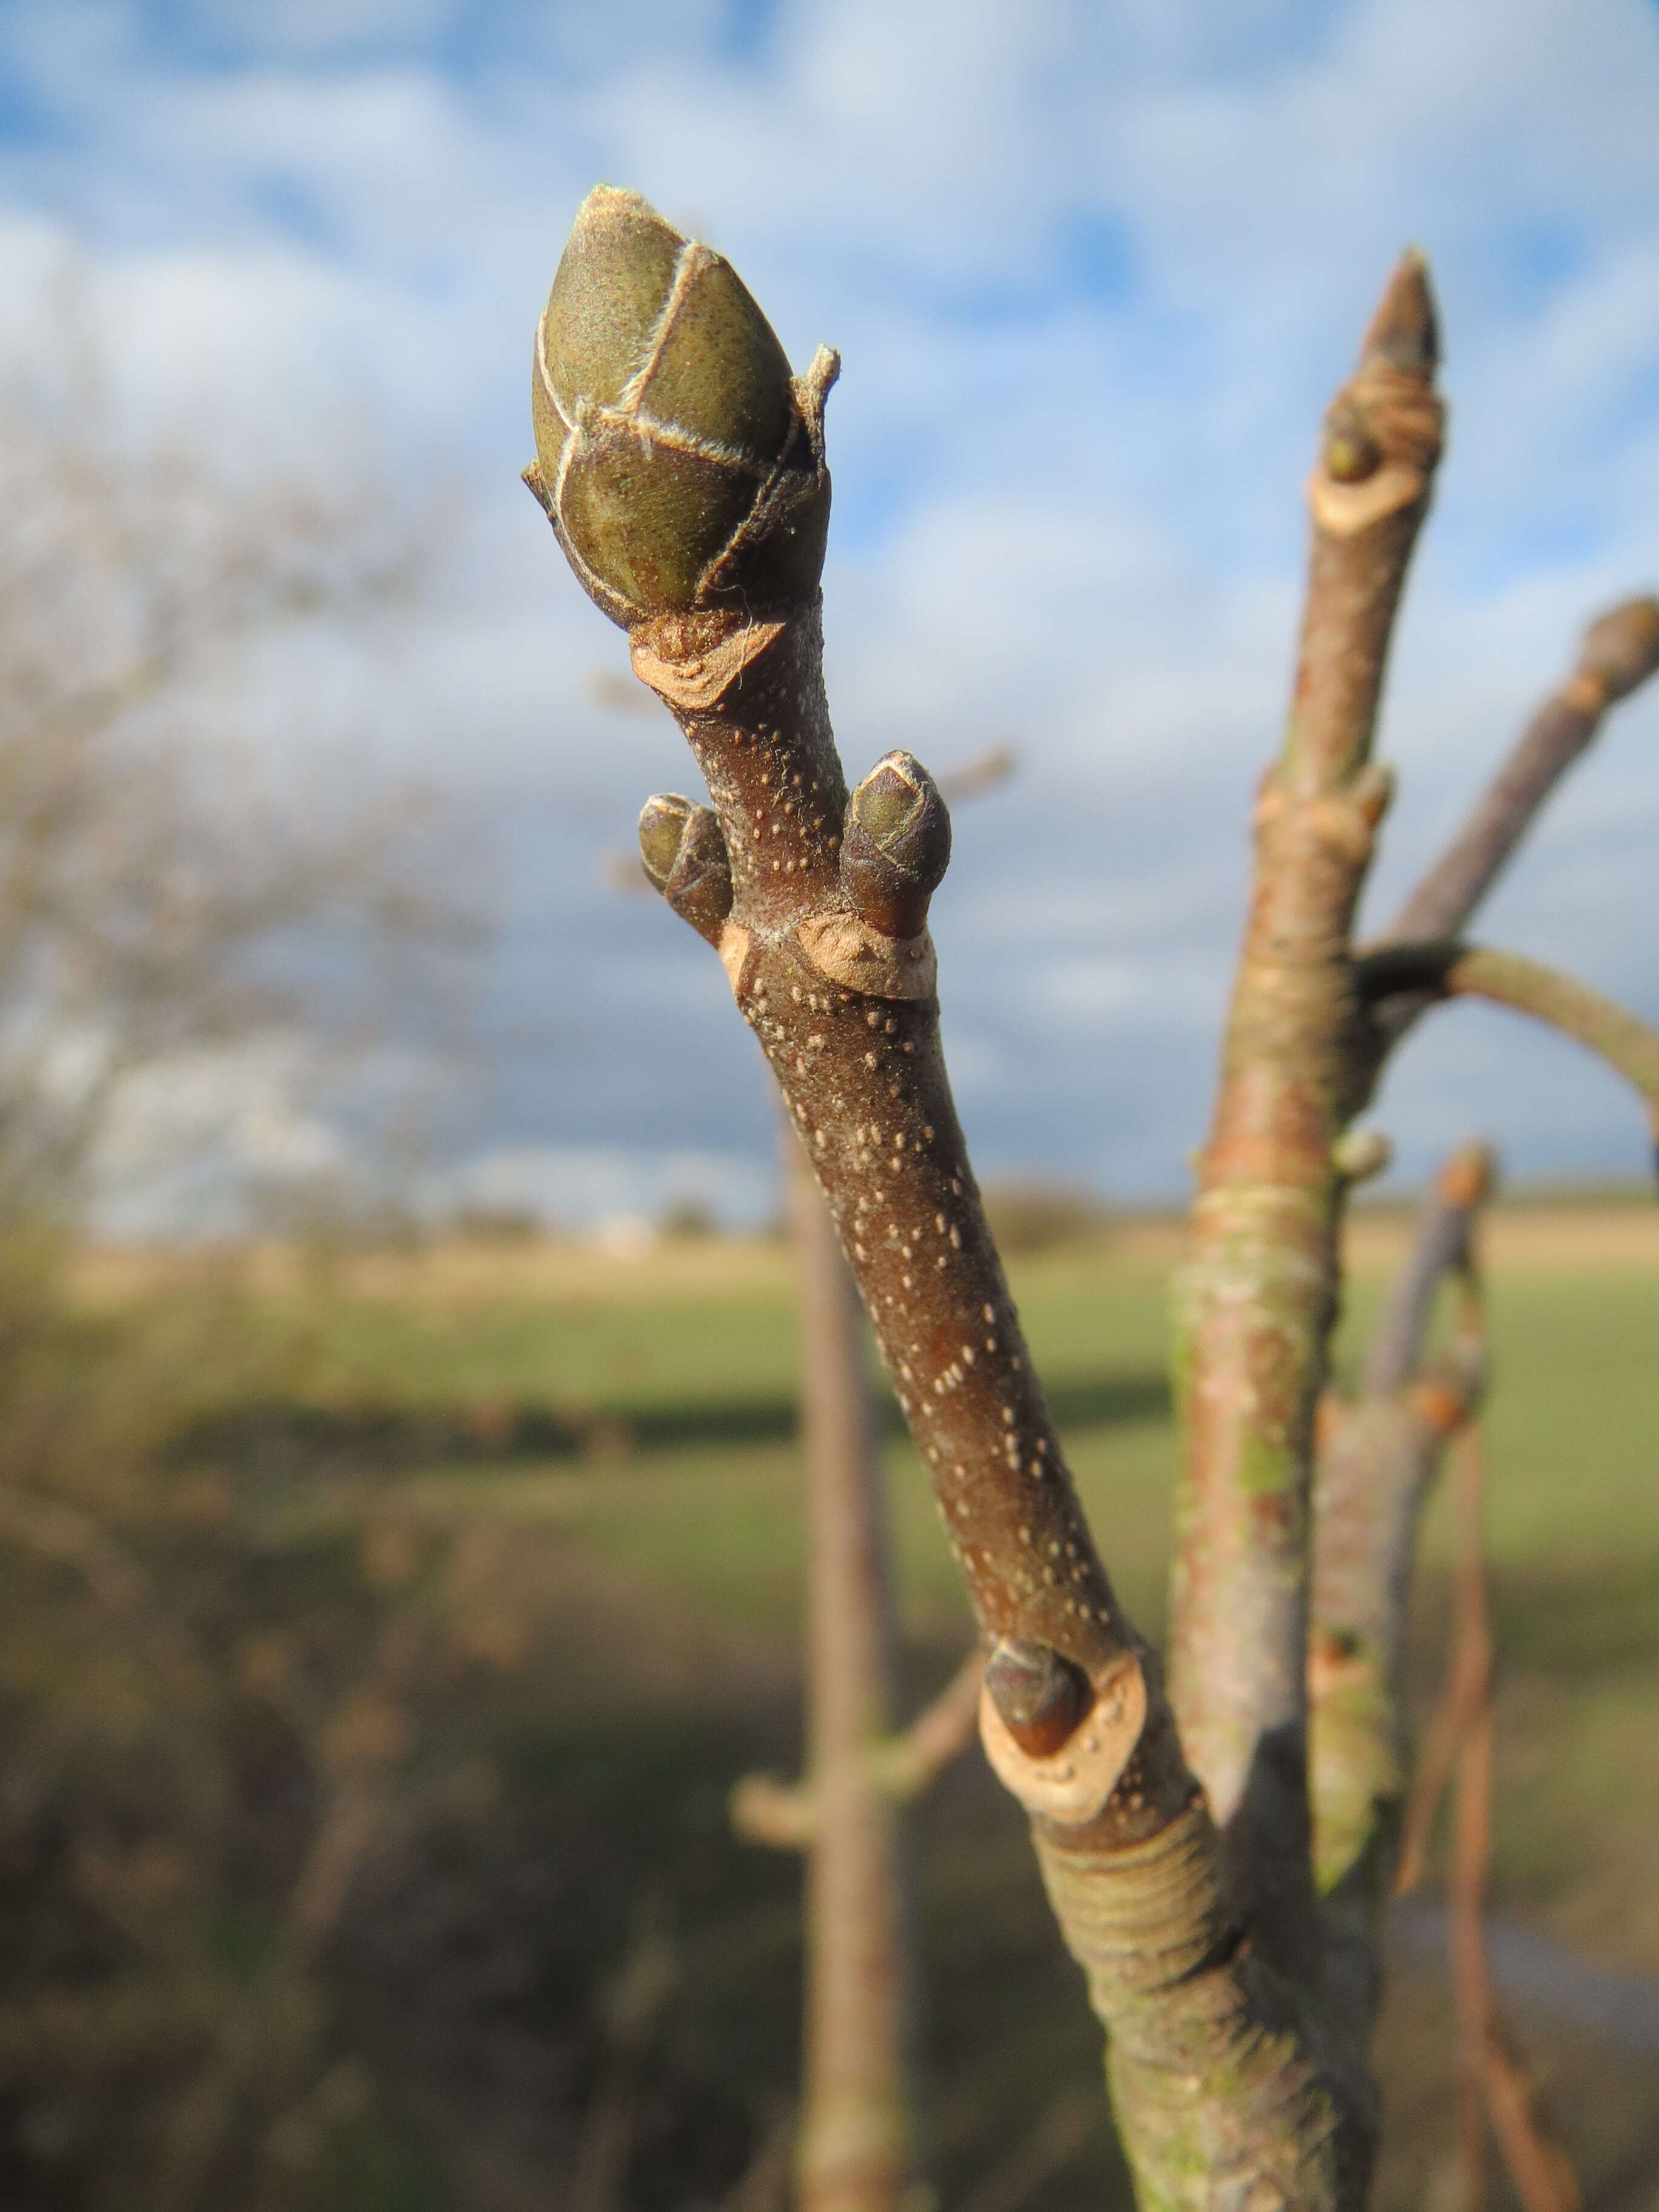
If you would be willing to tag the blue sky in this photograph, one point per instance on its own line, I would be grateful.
(1092, 269)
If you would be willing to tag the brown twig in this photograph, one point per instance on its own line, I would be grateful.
(685, 474)
(1257, 1293)
(766, 1810)
(1442, 970)
(1618, 651)
(1440, 1248)
(1377, 1461)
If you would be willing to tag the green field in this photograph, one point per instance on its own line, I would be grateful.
(630, 1427)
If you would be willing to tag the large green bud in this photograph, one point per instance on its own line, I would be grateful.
(680, 463)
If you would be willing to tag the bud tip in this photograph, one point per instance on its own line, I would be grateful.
(1404, 331)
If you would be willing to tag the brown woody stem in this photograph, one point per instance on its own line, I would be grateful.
(1440, 1248)
(1378, 1461)
(784, 1815)
(1626, 1043)
(1214, 2075)
(1256, 1296)
(1617, 653)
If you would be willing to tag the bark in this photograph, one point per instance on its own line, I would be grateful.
(1618, 653)
(1623, 1040)
(1257, 1295)
(1215, 2073)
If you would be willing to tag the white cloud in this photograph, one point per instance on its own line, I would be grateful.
(1066, 486)
(585, 1186)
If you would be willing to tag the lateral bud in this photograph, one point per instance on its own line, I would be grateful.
(1351, 453)
(1359, 1154)
(1039, 1696)
(896, 845)
(683, 853)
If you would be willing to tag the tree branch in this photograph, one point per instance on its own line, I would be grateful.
(784, 1815)
(1618, 651)
(1440, 1248)
(1452, 970)
(1378, 1461)
(684, 472)
(1256, 1298)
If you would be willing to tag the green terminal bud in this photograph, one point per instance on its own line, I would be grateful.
(683, 853)
(680, 463)
(896, 844)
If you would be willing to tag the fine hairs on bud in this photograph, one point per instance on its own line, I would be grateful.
(896, 844)
(683, 853)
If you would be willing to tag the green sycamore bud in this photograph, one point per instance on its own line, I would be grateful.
(680, 463)
(683, 853)
(896, 844)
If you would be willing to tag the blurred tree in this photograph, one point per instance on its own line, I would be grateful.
(158, 872)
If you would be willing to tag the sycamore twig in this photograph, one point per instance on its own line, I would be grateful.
(1257, 1294)
(1440, 1247)
(1377, 1461)
(683, 470)
(1452, 970)
(784, 1815)
(1618, 653)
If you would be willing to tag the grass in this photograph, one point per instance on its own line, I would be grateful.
(638, 1417)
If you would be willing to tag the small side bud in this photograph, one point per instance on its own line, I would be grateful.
(896, 844)
(683, 853)
(1620, 649)
(1359, 1154)
(1039, 1696)
(1351, 453)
